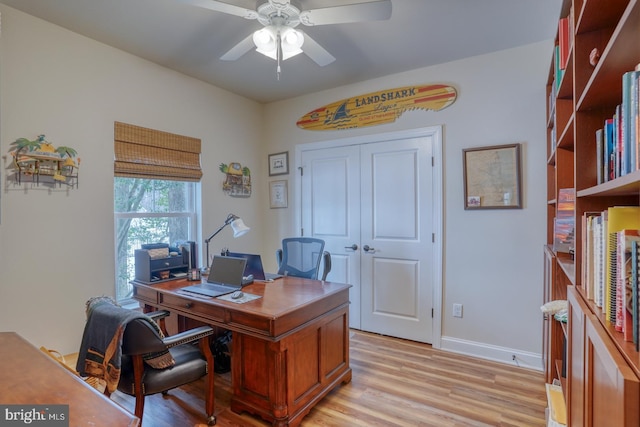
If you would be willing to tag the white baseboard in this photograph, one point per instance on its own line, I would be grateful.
(523, 359)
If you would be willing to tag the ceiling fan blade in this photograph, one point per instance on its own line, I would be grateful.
(372, 11)
(316, 52)
(240, 49)
(219, 6)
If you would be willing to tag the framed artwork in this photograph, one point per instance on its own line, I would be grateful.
(278, 194)
(279, 163)
(492, 177)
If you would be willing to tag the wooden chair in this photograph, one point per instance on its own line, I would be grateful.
(188, 352)
(192, 362)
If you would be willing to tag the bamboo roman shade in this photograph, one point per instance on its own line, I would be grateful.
(148, 153)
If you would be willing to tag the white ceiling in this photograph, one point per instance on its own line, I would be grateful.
(190, 40)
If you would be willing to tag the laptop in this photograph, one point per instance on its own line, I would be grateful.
(225, 277)
(254, 266)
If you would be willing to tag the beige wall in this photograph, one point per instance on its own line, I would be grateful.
(56, 247)
(492, 258)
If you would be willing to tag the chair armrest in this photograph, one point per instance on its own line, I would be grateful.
(159, 314)
(191, 335)
(326, 257)
(279, 259)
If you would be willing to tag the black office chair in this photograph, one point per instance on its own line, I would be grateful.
(301, 256)
(177, 360)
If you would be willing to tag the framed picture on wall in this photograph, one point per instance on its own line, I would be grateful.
(492, 177)
(279, 163)
(278, 194)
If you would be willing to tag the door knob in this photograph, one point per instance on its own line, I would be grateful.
(368, 248)
(353, 247)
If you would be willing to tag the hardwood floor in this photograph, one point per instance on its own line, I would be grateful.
(395, 383)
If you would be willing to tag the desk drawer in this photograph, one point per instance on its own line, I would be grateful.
(194, 307)
(145, 294)
(166, 263)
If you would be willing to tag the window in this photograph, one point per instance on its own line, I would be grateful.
(156, 176)
(149, 211)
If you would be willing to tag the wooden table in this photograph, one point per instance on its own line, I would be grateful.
(290, 347)
(30, 377)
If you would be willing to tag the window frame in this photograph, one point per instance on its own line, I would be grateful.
(193, 215)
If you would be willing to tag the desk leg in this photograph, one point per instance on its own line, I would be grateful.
(279, 390)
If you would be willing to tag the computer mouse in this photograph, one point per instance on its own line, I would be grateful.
(237, 294)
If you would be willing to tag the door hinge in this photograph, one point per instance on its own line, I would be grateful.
(301, 170)
(433, 237)
(432, 313)
(302, 232)
(433, 161)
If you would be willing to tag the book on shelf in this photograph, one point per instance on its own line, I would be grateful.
(609, 151)
(635, 121)
(624, 290)
(589, 269)
(564, 222)
(635, 307)
(602, 242)
(621, 133)
(593, 261)
(618, 218)
(629, 114)
(564, 42)
(556, 405)
(617, 136)
(593, 256)
(612, 278)
(600, 155)
(558, 72)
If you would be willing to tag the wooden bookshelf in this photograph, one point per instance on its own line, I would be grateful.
(603, 370)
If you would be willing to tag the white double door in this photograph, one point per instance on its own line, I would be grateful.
(372, 204)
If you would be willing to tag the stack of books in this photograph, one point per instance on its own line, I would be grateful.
(611, 240)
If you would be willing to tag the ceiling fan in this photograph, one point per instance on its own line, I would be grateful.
(279, 39)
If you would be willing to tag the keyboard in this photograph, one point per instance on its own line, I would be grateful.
(209, 289)
(217, 288)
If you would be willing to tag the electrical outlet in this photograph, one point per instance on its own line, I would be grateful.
(457, 310)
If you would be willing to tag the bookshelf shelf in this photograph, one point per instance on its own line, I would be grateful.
(568, 266)
(626, 185)
(581, 98)
(626, 348)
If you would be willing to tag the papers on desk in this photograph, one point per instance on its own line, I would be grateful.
(244, 298)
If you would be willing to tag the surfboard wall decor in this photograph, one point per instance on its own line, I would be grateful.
(377, 108)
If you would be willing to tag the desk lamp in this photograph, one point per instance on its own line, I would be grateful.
(238, 226)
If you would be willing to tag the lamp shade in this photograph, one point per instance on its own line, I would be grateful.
(239, 228)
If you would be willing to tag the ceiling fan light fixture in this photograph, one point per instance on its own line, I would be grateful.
(291, 41)
(265, 41)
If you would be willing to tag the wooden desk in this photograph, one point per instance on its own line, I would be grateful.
(29, 377)
(290, 347)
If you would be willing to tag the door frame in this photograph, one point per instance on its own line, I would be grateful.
(438, 202)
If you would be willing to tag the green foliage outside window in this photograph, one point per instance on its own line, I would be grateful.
(149, 211)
